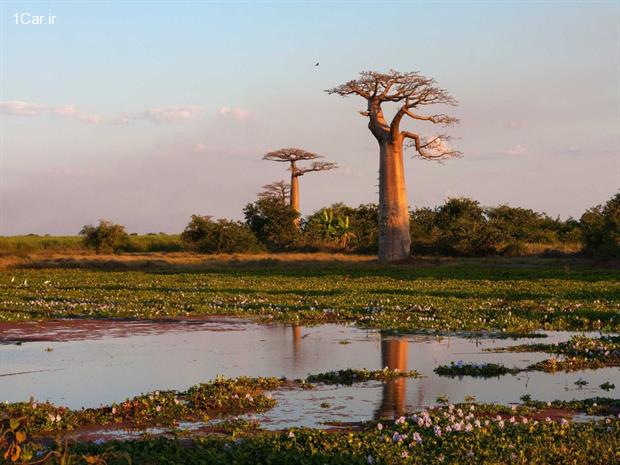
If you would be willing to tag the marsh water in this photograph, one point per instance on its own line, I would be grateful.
(82, 363)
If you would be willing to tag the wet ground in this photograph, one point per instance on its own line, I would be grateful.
(87, 363)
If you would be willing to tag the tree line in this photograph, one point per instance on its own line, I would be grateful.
(458, 227)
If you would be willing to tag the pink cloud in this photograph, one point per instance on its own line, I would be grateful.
(20, 108)
(516, 149)
(200, 147)
(240, 114)
(170, 114)
(70, 111)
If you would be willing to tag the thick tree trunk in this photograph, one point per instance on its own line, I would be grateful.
(294, 202)
(394, 236)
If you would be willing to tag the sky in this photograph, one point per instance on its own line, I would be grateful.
(145, 113)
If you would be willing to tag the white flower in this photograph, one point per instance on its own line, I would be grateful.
(379, 426)
(291, 434)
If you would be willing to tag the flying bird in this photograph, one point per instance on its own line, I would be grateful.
(316, 64)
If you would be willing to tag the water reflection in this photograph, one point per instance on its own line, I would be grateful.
(296, 346)
(394, 356)
(94, 362)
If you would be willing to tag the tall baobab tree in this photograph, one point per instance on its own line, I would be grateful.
(293, 156)
(279, 190)
(411, 91)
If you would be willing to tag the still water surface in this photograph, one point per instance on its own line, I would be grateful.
(92, 363)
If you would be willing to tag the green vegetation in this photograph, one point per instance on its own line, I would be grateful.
(601, 229)
(107, 237)
(273, 222)
(483, 370)
(198, 403)
(33, 244)
(458, 227)
(486, 296)
(205, 235)
(351, 376)
(463, 433)
(578, 353)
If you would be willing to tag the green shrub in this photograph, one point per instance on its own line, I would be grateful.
(222, 236)
(344, 228)
(600, 227)
(273, 223)
(106, 237)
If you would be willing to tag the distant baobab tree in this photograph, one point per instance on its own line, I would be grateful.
(411, 91)
(279, 190)
(293, 156)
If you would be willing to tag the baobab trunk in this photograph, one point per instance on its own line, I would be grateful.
(295, 193)
(394, 235)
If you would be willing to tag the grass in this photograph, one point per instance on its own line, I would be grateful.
(502, 296)
(34, 244)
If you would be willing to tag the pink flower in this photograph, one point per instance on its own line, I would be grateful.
(158, 408)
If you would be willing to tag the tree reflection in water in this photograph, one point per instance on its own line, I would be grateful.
(393, 356)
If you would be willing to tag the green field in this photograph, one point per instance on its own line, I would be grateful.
(504, 296)
(23, 245)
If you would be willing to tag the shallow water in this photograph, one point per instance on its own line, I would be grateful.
(91, 363)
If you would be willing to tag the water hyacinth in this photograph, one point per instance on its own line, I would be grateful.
(411, 303)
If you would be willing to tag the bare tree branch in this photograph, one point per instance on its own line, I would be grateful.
(279, 190)
(433, 148)
(290, 154)
(410, 89)
(317, 166)
(293, 155)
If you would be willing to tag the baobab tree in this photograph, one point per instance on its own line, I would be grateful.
(279, 190)
(294, 156)
(411, 91)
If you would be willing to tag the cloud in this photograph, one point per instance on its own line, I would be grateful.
(200, 147)
(70, 111)
(516, 149)
(239, 114)
(19, 108)
(517, 124)
(170, 114)
(157, 114)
